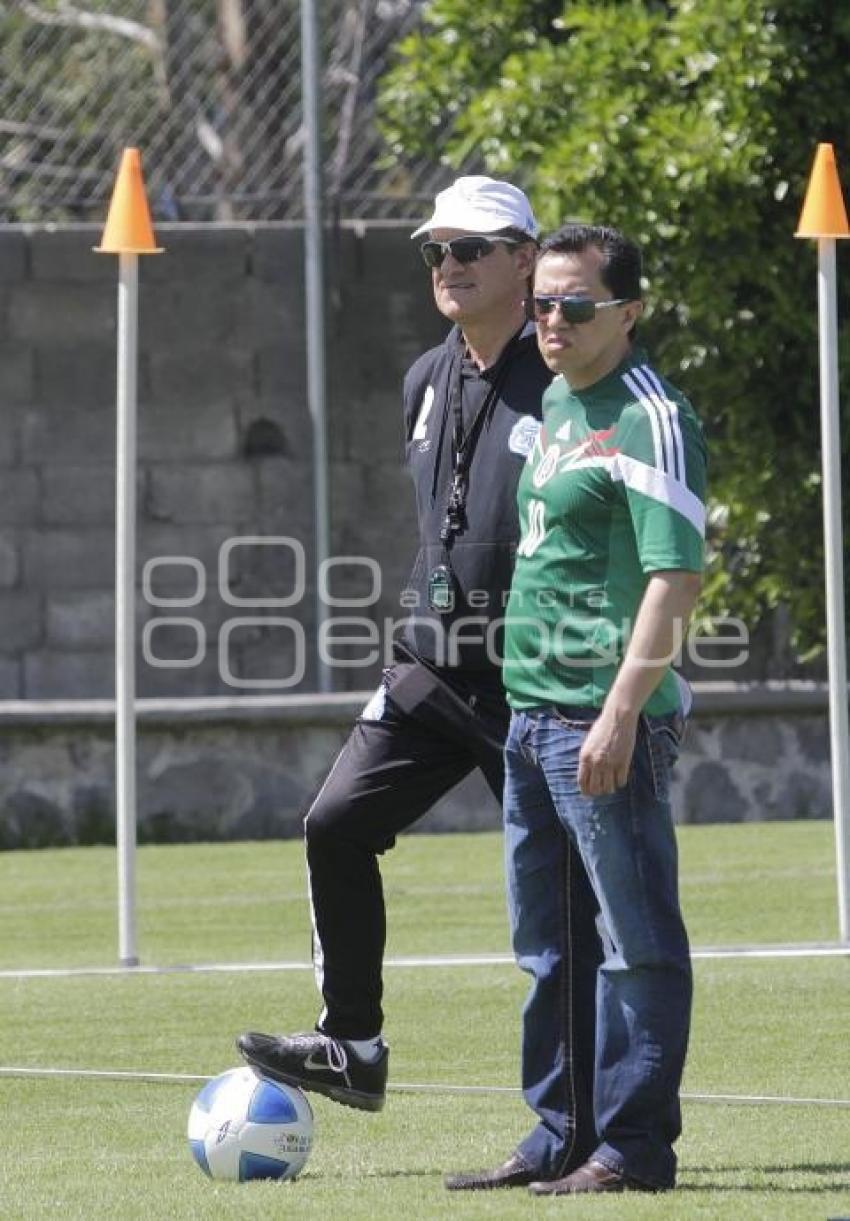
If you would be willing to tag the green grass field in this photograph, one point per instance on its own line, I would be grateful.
(104, 1148)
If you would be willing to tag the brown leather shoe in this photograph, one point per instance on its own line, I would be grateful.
(513, 1173)
(591, 1177)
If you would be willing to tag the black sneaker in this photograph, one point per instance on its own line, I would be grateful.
(319, 1063)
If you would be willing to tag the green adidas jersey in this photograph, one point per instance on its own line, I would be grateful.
(612, 491)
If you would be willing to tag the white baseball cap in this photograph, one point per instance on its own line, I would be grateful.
(481, 205)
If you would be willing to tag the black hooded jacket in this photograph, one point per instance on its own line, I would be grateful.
(481, 556)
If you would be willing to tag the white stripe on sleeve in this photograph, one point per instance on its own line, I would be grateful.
(661, 486)
(670, 413)
(641, 396)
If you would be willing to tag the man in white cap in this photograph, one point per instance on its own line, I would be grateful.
(471, 412)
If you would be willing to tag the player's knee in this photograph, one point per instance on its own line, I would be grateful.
(325, 821)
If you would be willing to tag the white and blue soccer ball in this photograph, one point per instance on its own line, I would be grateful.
(244, 1127)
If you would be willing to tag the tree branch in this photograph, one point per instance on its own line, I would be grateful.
(67, 15)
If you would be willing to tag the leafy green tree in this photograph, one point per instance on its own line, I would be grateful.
(692, 126)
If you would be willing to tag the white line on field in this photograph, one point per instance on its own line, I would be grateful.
(436, 960)
(766, 1100)
(104, 1074)
(773, 951)
(400, 1087)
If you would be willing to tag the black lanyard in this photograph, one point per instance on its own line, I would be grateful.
(464, 443)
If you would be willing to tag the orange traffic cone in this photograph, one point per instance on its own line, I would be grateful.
(128, 224)
(824, 214)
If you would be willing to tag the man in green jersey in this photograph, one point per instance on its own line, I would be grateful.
(612, 511)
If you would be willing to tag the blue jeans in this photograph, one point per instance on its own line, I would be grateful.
(595, 920)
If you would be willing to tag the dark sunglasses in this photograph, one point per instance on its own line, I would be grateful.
(462, 249)
(573, 309)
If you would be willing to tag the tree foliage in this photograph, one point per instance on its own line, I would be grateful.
(692, 126)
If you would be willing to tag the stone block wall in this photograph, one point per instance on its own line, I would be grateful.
(213, 769)
(224, 446)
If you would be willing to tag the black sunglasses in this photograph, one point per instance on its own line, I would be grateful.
(462, 249)
(572, 308)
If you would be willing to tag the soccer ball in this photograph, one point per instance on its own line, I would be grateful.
(243, 1127)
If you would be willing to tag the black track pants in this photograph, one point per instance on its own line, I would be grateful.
(416, 739)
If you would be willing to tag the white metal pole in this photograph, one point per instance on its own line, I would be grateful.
(839, 734)
(315, 300)
(125, 607)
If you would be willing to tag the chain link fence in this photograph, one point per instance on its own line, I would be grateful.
(210, 91)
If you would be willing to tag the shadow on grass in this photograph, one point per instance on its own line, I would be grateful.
(715, 1181)
(785, 1168)
(326, 1175)
(772, 1178)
